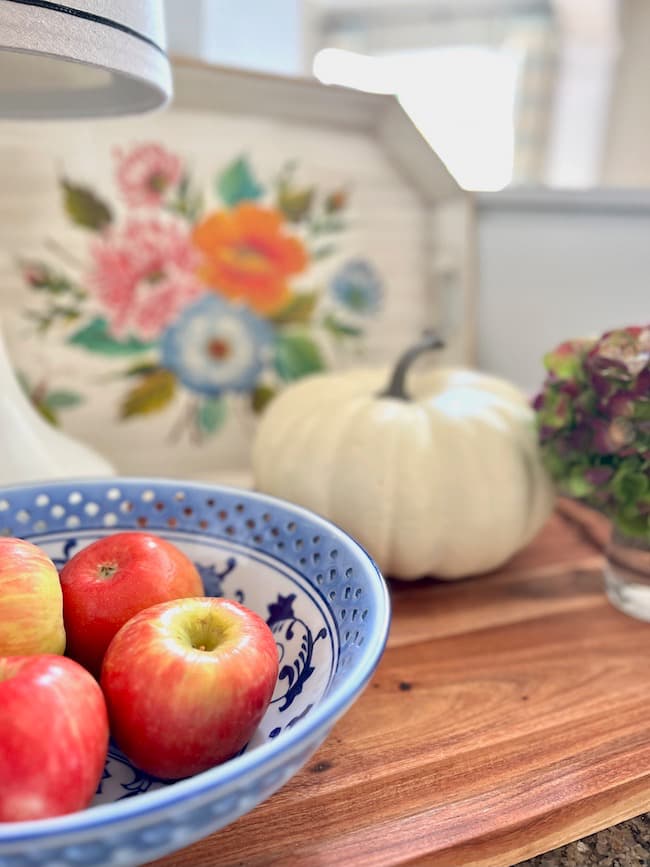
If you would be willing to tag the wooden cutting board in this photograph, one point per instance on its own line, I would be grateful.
(510, 714)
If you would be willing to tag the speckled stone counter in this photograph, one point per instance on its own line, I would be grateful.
(624, 845)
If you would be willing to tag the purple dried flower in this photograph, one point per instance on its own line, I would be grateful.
(612, 437)
(620, 355)
(621, 404)
(538, 401)
(593, 419)
(599, 475)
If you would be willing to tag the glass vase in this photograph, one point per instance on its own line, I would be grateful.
(627, 575)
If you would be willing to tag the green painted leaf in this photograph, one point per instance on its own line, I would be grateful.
(340, 329)
(62, 399)
(42, 278)
(323, 252)
(212, 414)
(237, 184)
(295, 202)
(187, 202)
(327, 225)
(261, 396)
(47, 413)
(142, 368)
(152, 394)
(84, 207)
(297, 355)
(298, 311)
(96, 337)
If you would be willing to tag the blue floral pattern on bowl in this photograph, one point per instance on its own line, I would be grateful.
(317, 589)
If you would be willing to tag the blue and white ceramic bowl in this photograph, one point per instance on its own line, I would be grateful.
(322, 596)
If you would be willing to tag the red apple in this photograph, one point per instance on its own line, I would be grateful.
(53, 737)
(31, 615)
(112, 579)
(187, 683)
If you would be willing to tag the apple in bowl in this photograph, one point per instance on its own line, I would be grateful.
(187, 682)
(31, 615)
(53, 737)
(112, 579)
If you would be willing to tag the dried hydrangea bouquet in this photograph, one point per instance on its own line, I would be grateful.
(593, 417)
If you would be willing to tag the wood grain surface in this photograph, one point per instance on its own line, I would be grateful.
(508, 716)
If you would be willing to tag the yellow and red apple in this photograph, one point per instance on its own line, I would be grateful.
(187, 683)
(31, 610)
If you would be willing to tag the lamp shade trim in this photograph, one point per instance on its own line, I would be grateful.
(89, 16)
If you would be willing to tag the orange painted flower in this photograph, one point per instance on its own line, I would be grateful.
(248, 256)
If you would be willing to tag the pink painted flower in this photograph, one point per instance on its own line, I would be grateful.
(145, 173)
(143, 275)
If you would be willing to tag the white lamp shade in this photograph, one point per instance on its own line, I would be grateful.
(82, 58)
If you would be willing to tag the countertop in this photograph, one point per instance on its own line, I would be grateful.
(624, 845)
(507, 718)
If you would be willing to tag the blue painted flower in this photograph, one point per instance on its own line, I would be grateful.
(357, 286)
(214, 347)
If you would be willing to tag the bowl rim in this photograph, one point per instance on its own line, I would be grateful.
(323, 715)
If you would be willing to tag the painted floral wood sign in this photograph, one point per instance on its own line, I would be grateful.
(204, 292)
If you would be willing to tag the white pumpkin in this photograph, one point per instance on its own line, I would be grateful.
(445, 480)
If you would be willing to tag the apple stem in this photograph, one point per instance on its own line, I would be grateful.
(107, 570)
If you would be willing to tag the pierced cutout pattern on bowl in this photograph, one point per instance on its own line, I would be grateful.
(322, 597)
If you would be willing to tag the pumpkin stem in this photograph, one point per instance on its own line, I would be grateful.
(396, 386)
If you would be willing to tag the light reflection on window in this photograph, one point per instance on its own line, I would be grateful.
(462, 99)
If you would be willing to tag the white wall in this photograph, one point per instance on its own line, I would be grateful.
(264, 35)
(554, 266)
